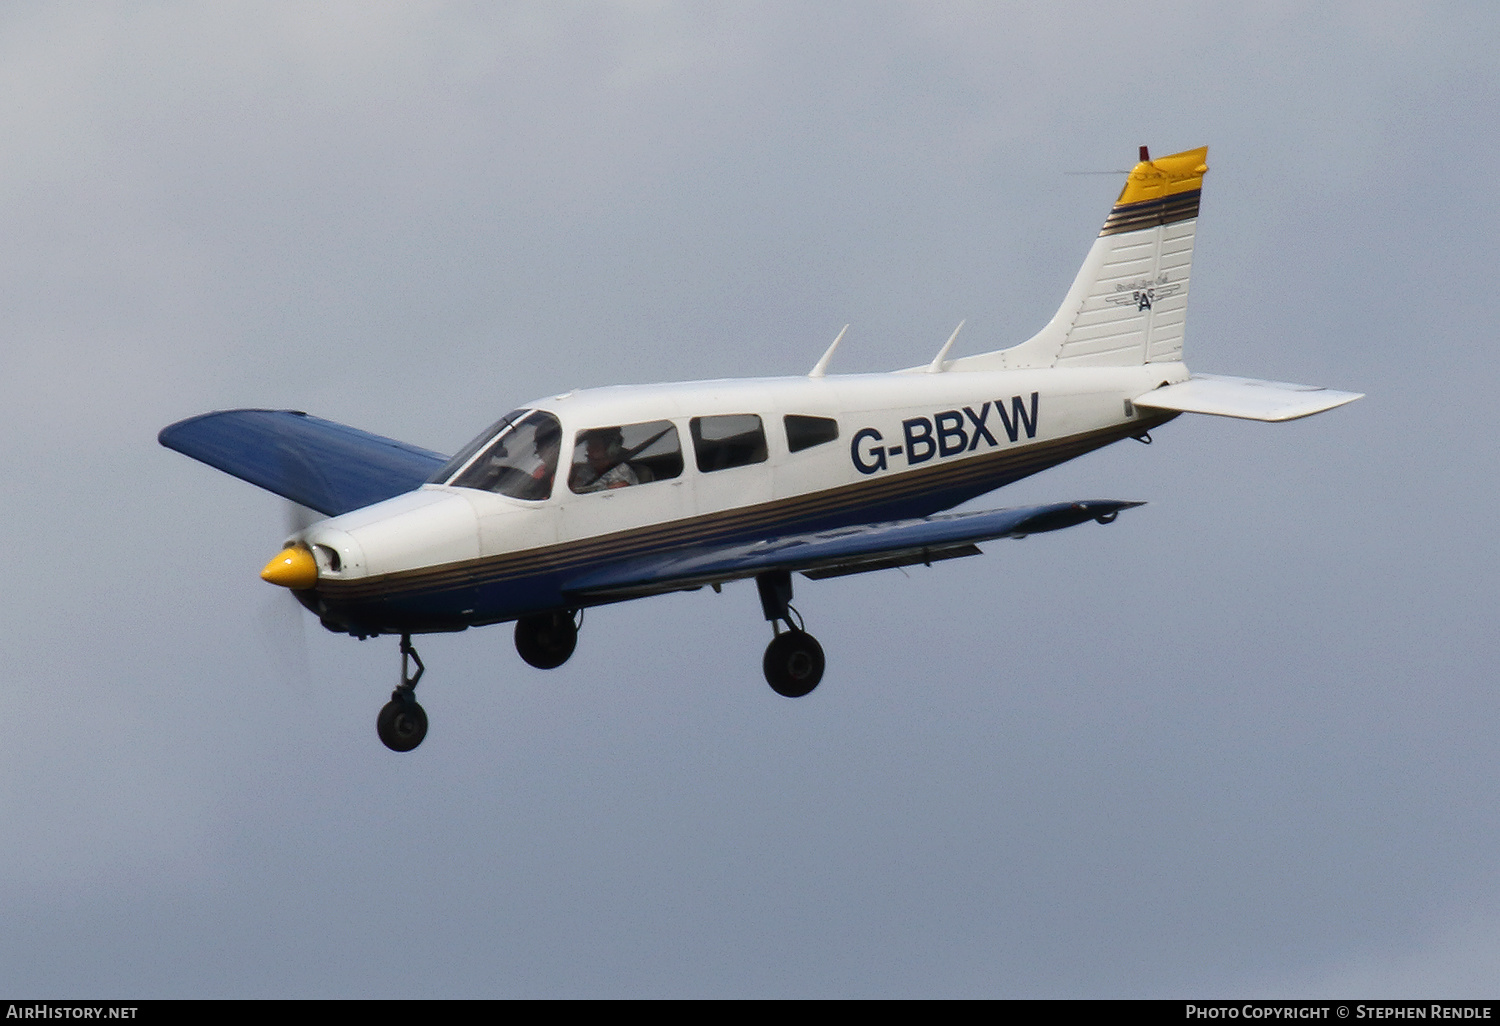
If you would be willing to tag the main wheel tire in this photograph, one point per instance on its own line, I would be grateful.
(793, 663)
(402, 724)
(546, 640)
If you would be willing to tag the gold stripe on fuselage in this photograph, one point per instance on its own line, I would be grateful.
(780, 516)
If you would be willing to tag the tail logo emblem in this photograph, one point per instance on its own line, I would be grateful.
(1143, 293)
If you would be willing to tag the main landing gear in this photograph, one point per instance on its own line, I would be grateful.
(402, 723)
(546, 640)
(793, 663)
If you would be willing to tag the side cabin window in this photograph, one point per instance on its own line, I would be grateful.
(736, 440)
(630, 454)
(806, 432)
(520, 462)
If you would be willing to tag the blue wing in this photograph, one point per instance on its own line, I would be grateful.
(322, 465)
(846, 550)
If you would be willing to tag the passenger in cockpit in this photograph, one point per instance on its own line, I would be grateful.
(602, 464)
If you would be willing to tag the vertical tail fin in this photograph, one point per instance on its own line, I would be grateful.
(1128, 304)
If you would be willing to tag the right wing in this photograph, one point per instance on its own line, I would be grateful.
(324, 466)
(844, 550)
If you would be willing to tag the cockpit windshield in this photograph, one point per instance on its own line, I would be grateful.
(520, 461)
(464, 455)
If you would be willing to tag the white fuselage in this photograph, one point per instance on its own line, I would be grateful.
(907, 443)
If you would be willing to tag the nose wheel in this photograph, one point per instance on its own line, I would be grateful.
(402, 723)
(793, 663)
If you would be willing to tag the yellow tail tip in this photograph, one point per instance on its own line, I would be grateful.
(1165, 176)
(293, 567)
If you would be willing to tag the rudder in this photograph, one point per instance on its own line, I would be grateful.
(1128, 304)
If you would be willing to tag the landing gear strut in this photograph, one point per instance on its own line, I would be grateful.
(546, 640)
(794, 662)
(402, 723)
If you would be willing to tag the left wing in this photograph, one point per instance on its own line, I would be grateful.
(845, 550)
(328, 467)
(1245, 398)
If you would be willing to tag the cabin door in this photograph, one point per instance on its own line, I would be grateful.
(623, 477)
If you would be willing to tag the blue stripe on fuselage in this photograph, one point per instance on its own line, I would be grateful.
(451, 598)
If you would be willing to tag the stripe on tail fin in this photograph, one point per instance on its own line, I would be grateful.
(1128, 305)
(1135, 308)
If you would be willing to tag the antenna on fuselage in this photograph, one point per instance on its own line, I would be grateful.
(937, 366)
(822, 365)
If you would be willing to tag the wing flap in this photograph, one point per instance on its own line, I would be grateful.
(925, 557)
(322, 465)
(1245, 398)
(837, 552)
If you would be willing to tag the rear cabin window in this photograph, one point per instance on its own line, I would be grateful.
(806, 432)
(625, 455)
(735, 440)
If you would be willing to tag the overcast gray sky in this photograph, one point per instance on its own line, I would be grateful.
(1241, 743)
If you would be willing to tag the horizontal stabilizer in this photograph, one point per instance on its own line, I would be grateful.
(321, 465)
(844, 550)
(1245, 398)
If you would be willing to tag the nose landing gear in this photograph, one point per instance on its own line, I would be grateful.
(793, 663)
(402, 723)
